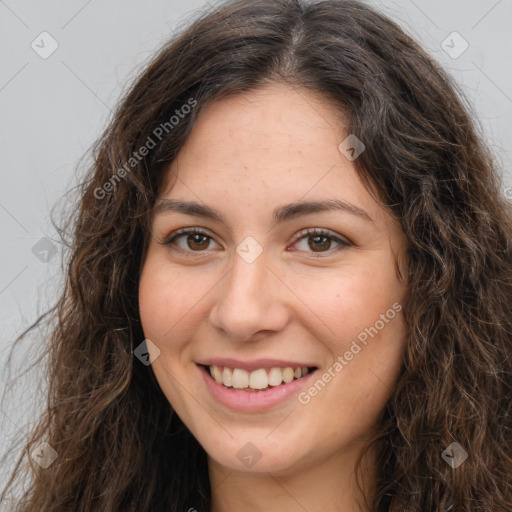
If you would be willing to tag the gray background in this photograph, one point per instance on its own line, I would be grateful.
(53, 108)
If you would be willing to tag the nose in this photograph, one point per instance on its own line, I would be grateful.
(250, 301)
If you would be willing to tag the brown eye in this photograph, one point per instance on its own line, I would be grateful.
(197, 242)
(189, 240)
(319, 241)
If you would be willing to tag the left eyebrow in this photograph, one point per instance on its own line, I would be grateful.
(280, 214)
(289, 211)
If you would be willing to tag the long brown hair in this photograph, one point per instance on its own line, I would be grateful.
(120, 446)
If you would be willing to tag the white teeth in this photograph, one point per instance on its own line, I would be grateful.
(275, 376)
(217, 374)
(240, 379)
(288, 374)
(226, 377)
(257, 379)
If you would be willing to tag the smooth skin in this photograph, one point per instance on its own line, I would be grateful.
(304, 298)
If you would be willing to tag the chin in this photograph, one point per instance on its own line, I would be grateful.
(263, 452)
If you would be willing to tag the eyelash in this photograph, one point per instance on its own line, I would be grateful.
(305, 233)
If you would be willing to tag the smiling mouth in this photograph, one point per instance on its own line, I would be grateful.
(262, 379)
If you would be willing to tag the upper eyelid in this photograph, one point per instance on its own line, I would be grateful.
(187, 231)
(323, 231)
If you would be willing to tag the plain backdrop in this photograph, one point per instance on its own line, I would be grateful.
(63, 66)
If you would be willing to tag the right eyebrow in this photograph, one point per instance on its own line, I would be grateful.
(188, 208)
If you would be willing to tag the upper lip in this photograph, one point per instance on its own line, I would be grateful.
(254, 364)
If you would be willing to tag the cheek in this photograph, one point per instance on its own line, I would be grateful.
(169, 300)
(351, 300)
(362, 328)
(168, 309)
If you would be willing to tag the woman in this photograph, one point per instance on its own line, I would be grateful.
(289, 283)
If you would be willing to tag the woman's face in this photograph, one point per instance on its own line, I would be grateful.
(253, 292)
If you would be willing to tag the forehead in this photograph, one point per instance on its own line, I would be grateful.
(264, 148)
(276, 135)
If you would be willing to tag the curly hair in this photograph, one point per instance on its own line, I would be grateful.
(120, 445)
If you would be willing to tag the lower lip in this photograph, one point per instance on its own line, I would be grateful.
(253, 401)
